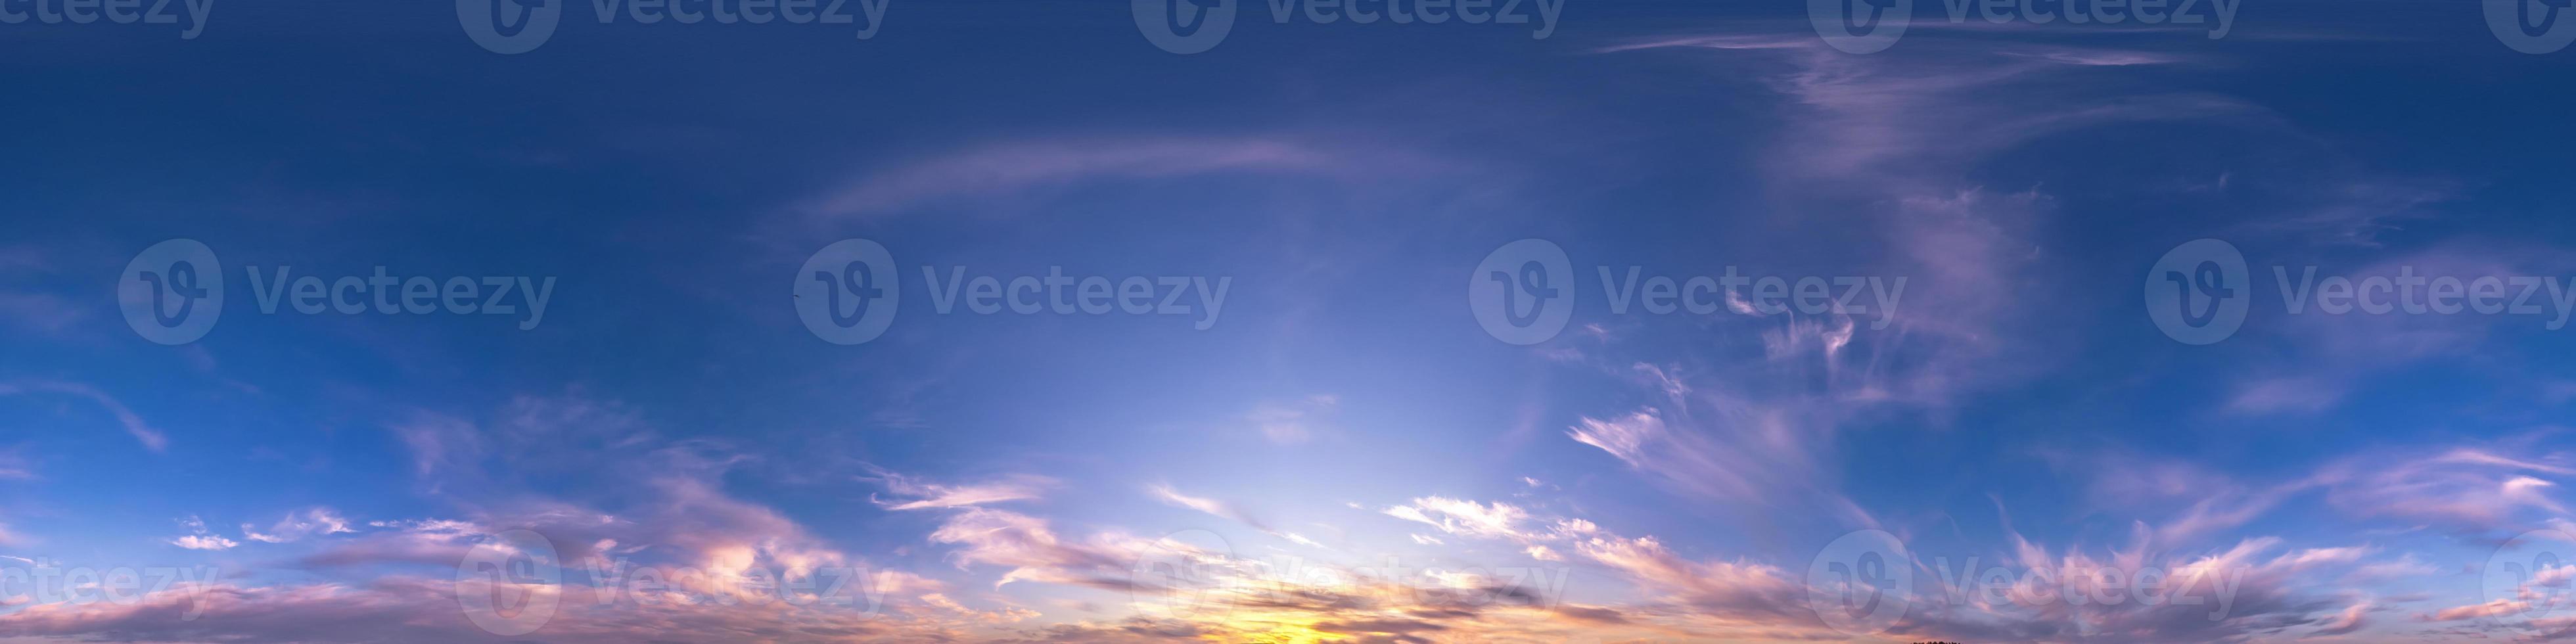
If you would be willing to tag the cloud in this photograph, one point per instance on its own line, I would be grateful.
(2186, 500)
(2465, 488)
(2348, 621)
(1213, 507)
(2243, 593)
(1295, 422)
(438, 441)
(2279, 395)
(1021, 166)
(2471, 488)
(2495, 608)
(1735, 590)
(1691, 461)
(14, 466)
(1166, 494)
(923, 495)
(410, 610)
(1464, 518)
(1033, 552)
(198, 538)
(427, 542)
(1006, 614)
(1879, 152)
(671, 507)
(530, 435)
(151, 438)
(41, 312)
(1213, 594)
(204, 542)
(312, 522)
(2350, 212)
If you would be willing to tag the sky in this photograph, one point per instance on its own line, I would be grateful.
(1286, 321)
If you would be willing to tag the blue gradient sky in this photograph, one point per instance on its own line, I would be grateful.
(996, 477)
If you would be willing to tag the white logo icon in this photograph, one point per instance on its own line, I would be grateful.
(509, 26)
(509, 586)
(1861, 583)
(2532, 26)
(1182, 576)
(847, 292)
(1185, 26)
(2199, 291)
(1523, 292)
(172, 292)
(2532, 576)
(1860, 26)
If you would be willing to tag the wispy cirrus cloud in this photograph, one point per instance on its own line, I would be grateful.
(924, 495)
(1011, 168)
(2468, 489)
(1497, 520)
(1032, 551)
(14, 465)
(1168, 495)
(405, 609)
(1290, 423)
(1883, 143)
(133, 424)
(43, 313)
(2326, 358)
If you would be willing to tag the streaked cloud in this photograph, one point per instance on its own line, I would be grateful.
(922, 495)
(198, 538)
(133, 424)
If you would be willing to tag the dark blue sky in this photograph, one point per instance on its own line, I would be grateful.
(1341, 446)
